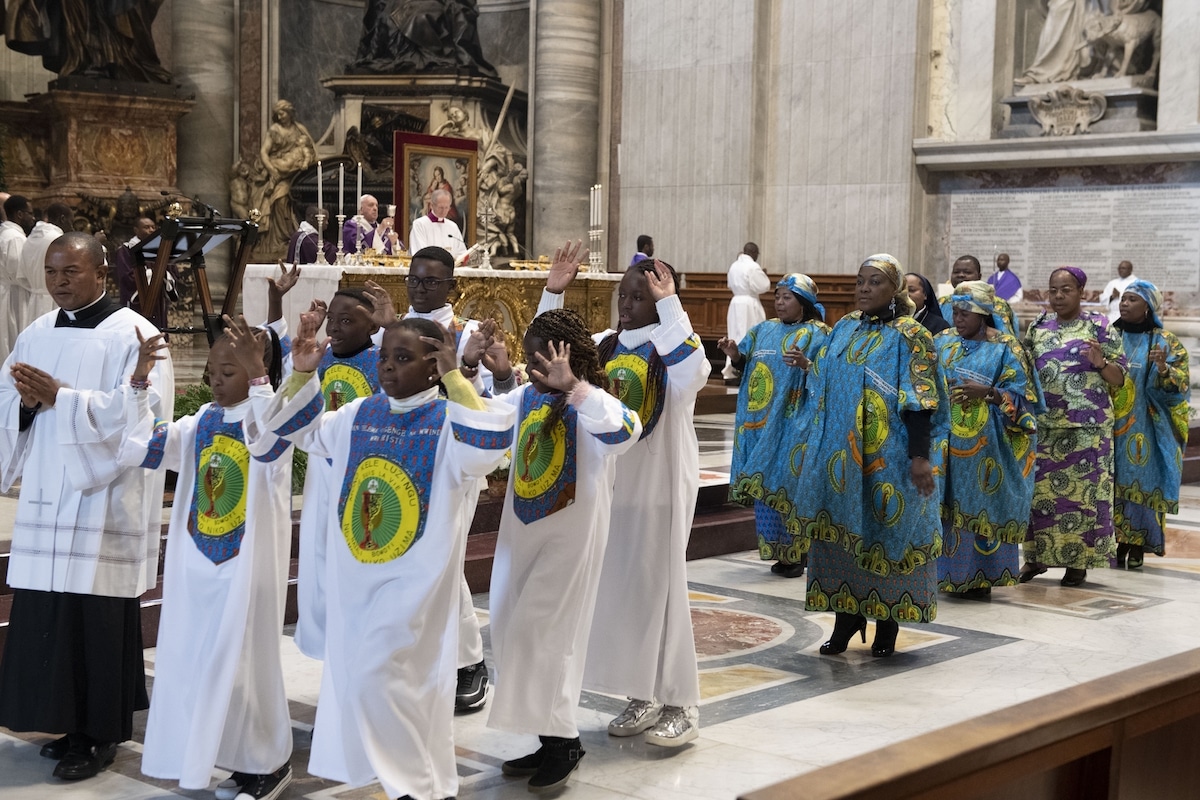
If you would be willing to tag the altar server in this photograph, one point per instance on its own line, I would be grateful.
(219, 698)
(404, 465)
(569, 432)
(435, 230)
(32, 275)
(746, 281)
(86, 533)
(13, 231)
(641, 643)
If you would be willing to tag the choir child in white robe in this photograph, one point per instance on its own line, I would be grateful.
(86, 534)
(219, 698)
(569, 432)
(405, 463)
(347, 371)
(641, 642)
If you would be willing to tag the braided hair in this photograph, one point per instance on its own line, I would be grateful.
(565, 325)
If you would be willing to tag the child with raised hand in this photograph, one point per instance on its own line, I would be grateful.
(656, 366)
(219, 698)
(774, 357)
(347, 370)
(404, 464)
(568, 433)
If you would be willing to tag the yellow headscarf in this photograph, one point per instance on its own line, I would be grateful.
(978, 297)
(890, 267)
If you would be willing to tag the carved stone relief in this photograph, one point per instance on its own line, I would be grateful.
(1067, 110)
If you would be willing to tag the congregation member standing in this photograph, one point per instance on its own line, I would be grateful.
(13, 232)
(86, 533)
(376, 233)
(1078, 359)
(645, 249)
(304, 244)
(875, 445)
(144, 229)
(1110, 295)
(989, 475)
(928, 312)
(435, 229)
(967, 268)
(32, 275)
(1150, 425)
(1005, 281)
(746, 280)
(777, 353)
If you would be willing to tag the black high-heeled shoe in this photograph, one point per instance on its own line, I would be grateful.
(886, 632)
(1074, 577)
(844, 628)
(1122, 552)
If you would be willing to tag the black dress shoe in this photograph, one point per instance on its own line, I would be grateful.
(1029, 572)
(978, 593)
(790, 570)
(82, 761)
(1122, 552)
(57, 749)
(1074, 577)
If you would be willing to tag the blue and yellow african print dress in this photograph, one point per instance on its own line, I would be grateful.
(989, 477)
(1150, 429)
(875, 539)
(764, 430)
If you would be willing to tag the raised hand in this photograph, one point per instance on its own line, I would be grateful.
(383, 311)
(495, 358)
(306, 351)
(478, 343)
(555, 371)
(728, 347)
(1095, 355)
(659, 282)
(794, 357)
(247, 344)
(565, 266)
(148, 353)
(316, 314)
(1158, 357)
(444, 354)
(34, 384)
(283, 283)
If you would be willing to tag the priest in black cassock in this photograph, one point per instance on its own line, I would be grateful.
(86, 533)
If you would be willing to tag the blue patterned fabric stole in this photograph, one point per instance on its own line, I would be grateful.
(629, 372)
(344, 380)
(217, 518)
(544, 462)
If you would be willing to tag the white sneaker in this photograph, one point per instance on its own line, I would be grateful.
(676, 726)
(637, 716)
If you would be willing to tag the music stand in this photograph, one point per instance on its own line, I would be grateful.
(190, 239)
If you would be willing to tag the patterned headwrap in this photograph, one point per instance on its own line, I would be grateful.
(1079, 275)
(890, 267)
(803, 287)
(1150, 293)
(978, 297)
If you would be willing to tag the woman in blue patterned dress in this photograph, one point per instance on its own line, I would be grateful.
(774, 356)
(871, 466)
(1151, 425)
(1078, 357)
(989, 481)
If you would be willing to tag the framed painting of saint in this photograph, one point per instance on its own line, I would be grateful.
(422, 165)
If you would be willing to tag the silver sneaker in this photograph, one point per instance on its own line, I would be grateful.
(677, 726)
(637, 716)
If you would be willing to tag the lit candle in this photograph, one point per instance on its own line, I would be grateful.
(341, 188)
(320, 188)
(359, 198)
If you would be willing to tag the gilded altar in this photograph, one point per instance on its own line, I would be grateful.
(510, 297)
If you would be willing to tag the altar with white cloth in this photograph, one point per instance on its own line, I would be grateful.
(508, 296)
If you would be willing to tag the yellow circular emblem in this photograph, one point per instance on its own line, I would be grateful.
(221, 486)
(539, 455)
(382, 513)
(872, 421)
(343, 384)
(760, 388)
(628, 375)
(967, 420)
(1124, 397)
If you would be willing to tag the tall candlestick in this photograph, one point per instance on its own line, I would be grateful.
(341, 190)
(359, 199)
(320, 187)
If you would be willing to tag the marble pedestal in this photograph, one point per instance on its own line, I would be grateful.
(1132, 106)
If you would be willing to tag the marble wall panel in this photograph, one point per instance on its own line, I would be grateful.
(1179, 71)
(21, 75)
(317, 39)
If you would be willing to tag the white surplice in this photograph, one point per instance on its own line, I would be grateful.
(12, 241)
(219, 698)
(547, 570)
(104, 538)
(31, 277)
(387, 693)
(443, 233)
(746, 280)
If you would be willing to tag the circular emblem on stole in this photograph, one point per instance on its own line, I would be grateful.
(382, 512)
(1123, 398)
(221, 485)
(540, 454)
(967, 420)
(343, 384)
(1137, 449)
(762, 386)
(628, 375)
(872, 421)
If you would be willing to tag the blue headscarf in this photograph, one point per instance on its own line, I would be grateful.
(803, 287)
(1150, 293)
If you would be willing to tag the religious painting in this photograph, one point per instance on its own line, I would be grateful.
(422, 165)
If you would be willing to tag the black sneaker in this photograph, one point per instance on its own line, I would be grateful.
(560, 760)
(231, 787)
(471, 693)
(525, 765)
(267, 787)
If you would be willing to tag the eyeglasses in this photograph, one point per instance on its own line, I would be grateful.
(430, 284)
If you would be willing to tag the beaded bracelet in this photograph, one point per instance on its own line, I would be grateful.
(139, 385)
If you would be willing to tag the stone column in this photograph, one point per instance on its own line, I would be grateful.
(1179, 71)
(203, 49)
(566, 119)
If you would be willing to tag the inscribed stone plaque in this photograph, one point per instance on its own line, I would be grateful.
(1155, 227)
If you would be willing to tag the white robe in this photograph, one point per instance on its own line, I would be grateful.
(12, 241)
(1119, 285)
(32, 276)
(104, 540)
(641, 641)
(747, 281)
(546, 573)
(387, 693)
(219, 697)
(444, 234)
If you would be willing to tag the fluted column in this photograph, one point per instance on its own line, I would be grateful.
(202, 49)
(566, 119)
